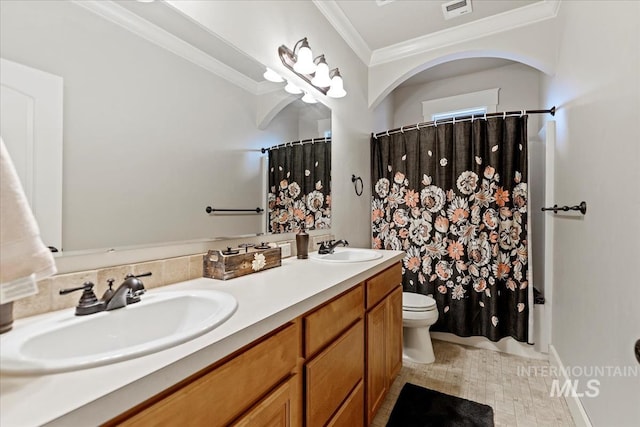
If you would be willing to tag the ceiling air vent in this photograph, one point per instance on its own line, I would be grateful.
(456, 8)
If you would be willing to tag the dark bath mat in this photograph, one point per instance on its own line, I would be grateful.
(420, 407)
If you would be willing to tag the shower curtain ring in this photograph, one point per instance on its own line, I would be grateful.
(401, 129)
(504, 115)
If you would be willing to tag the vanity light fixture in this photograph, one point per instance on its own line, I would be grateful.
(308, 98)
(321, 77)
(292, 89)
(337, 85)
(272, 76)
(313, 71)
(304, 63)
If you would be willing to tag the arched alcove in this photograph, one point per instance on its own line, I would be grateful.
(384, 78)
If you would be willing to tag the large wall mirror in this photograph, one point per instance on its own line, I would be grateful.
(152, 136)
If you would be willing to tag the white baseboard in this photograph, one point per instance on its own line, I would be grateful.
(505, 345)
(580, 417)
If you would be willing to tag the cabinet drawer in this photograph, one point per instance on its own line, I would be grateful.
(333, 374)
(352, 411)
(221, 395)
(381, 284)
(325, 324)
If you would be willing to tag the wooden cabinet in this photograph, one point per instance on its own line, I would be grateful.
(221, 395)
(351, 412)
(383, 336)
(308, 372)
(276, 410)
(333, 374)
(394, 333)
(326, 323)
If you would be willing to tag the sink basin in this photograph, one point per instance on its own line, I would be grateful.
(347, 255)
(64, 342)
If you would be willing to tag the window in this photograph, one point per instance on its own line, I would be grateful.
(484, 101)
(459, 113)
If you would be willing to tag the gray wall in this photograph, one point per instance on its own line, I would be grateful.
(150, 139)
(596, 292)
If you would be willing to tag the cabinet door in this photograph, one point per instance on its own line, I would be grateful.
(376, 359)
(394, 334)
(351, 412)
(275, 410)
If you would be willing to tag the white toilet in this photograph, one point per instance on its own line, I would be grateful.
(419, 312)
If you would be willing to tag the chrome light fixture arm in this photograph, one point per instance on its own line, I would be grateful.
(288, 58)
(327, 82)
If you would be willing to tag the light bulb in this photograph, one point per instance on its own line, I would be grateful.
(337, 86)
(321, 79)
(304, 64)
(292, 89)
(272, 76)
(308, 98)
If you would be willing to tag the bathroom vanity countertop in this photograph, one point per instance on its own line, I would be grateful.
(266, 300)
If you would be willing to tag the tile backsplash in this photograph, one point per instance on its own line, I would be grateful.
(165, 272)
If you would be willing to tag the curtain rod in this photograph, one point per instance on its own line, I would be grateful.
(301, 142)
(472, 117)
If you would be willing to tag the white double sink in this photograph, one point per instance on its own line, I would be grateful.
(347, 255)
(60, 341)
(63, 342)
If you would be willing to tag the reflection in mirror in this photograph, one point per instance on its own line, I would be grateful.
(300, 179)
(151, 136)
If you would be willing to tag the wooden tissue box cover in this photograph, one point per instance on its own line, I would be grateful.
(223, 267)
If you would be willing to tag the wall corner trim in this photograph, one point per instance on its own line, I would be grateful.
(580, 417)
(344, 27)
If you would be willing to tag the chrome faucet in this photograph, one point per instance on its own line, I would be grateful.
(127, 293)
(328, 246)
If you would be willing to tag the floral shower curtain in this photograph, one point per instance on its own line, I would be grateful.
(454, 197)
(300, 186)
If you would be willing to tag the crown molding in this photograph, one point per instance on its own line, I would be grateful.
(266, 87)
(502, 22)
(162, 38)
(344, 27)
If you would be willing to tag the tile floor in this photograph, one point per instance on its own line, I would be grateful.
(485, 376)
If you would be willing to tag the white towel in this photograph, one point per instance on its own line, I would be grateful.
(22, 252)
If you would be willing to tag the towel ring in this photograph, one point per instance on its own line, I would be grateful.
(356, 180)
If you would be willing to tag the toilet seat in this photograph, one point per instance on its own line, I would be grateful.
(417, 302)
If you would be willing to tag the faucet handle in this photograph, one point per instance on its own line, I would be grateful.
(109, 292)
(88, 303)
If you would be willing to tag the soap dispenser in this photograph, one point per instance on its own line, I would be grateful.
(302, 243)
